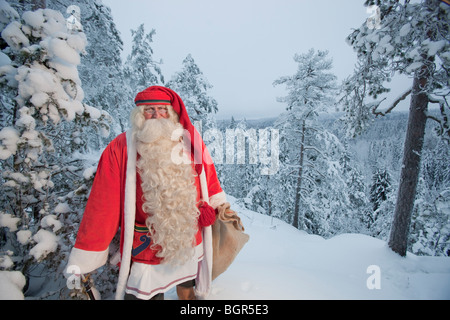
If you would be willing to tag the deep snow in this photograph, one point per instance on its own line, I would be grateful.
(281, 262)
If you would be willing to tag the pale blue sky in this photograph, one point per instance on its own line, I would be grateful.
(242, 46)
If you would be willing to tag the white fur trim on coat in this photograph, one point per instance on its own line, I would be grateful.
(129, 216)
(217, 199)
(204, 276)
(87, 261)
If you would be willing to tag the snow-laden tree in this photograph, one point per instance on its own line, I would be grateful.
(430, 226)
(412, 39)
(231, 147)
(380, 187)
(192, 86)
(379, 218)
(359, 203)
(311, 152)
(141, 70)
(100, 70)
(241, 147)
(46, 127)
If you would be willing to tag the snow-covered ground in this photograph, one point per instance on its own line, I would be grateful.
(281, 262)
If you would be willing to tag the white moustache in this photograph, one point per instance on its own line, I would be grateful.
(157, 129)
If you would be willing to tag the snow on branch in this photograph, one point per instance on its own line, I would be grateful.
(444, 124)
(396, 102)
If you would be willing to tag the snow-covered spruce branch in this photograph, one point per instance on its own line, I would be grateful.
(392, 107)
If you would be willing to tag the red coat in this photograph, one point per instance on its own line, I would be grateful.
(105, 209)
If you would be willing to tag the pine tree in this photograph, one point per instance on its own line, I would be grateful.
(101, 70)
(382, 199)
(430, 226)
(43, 186)
(313, 150)
(358, 200)
(380, 188)
(307, 90)
(192, 86)
(140, 69)
(412, 39)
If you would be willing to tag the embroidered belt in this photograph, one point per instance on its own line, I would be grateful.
(140, 228)
(141, 242)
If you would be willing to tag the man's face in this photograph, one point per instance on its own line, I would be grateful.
(156, 112)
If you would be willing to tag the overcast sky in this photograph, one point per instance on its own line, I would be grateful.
(242, 46)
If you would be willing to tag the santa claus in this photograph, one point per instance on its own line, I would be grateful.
(157, 184)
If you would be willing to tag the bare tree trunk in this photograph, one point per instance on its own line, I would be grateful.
(295, 223)
(415, 134)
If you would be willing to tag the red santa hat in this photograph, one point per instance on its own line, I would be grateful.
(151, 96)
(162, 95)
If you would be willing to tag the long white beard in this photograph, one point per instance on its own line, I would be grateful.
(169, 191)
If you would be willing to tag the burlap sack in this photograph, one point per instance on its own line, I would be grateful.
(228, 239)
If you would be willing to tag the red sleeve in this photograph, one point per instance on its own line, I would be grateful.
(102, 214)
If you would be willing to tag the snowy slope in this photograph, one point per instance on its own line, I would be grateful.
(281, 262)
